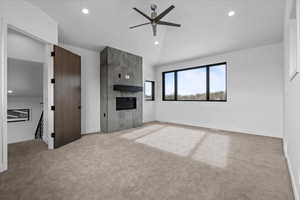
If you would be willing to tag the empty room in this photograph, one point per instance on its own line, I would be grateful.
(148, 99)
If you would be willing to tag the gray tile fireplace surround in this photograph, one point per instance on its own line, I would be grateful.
(125, 69)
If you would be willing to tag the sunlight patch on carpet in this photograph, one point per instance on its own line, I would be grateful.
(177, 140)
(213, 150)
(141, 132)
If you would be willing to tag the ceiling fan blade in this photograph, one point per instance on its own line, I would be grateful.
(168, 24)
(159, 17)
(154, 28)
(139, 25)
(137, 10)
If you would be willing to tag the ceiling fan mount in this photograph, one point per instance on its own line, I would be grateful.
(153, 7)
(155, 19)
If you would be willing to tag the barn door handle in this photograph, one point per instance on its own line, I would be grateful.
(79, 107)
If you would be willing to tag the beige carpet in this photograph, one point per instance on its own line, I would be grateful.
(157, 162)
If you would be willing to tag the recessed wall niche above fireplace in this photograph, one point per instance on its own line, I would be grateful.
(121, 90)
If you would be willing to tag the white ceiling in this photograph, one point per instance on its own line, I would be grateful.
(206, 28)
(25, 78)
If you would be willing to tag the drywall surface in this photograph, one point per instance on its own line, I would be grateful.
(292, 112)
(23, 131)
(90, 88)
(33, 21)
(25, 78)
(149, 106)
(23, 47)
(254, 87)
(48, 94)
(3, 95)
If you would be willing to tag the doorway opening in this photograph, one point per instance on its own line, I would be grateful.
(25, 91)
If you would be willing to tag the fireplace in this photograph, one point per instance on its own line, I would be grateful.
(121, 89)
(125, 103)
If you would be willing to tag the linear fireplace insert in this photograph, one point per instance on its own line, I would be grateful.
(125, 103)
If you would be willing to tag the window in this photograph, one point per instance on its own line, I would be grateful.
(217, 80)
(191, 84)
(205, 83)
(149, 91)
(169, 86)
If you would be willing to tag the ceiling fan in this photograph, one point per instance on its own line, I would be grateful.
(155, 19)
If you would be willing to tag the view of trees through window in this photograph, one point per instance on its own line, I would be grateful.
(207, 83)
(191, 84)
(217, 80)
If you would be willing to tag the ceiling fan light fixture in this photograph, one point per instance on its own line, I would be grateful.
(231, 13)
(85, 11)
(154, 19)
(156, 43)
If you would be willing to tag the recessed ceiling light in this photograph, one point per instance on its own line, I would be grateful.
(10, 91)
(85, 11)
(156, 43)
(231, 13)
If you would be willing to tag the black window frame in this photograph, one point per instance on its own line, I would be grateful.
(207, 83)
(153, 91)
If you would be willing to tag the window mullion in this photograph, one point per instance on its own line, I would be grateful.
(163, 86)
(175, 81)
(153, 91)
(207, 84)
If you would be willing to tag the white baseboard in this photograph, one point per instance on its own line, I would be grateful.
(3, 168)
(292, 175)
(45, 139)
(91, 132)
(285, 148)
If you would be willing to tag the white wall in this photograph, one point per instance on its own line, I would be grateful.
(30, 19)
(292, 114)
(25, 78)
(255, 97)
(90, 88)
(3, 96)
(48, 97)
(23, 47)
(149, 106)
(23, 131)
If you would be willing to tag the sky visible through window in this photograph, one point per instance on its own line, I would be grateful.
(170, 84)
(148, 89)
(191, 84)
(217, 78)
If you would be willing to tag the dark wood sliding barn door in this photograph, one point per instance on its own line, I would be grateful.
(67, 97)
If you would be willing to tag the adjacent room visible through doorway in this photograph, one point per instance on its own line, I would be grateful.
(25, 64)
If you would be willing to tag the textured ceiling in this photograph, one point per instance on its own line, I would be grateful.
(206, 28)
